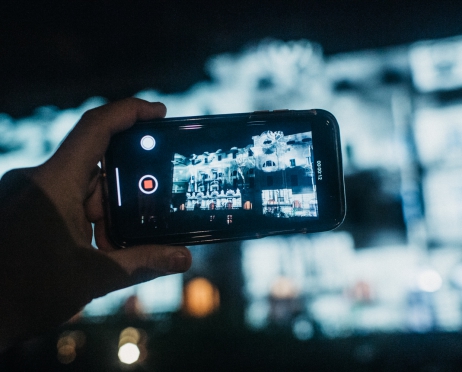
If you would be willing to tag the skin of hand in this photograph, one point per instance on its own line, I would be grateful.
(76, 160)
(72, 180)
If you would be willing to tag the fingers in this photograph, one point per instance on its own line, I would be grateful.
(101, 238)
(87, 142)
(93, 205)
(94, 212)
(144, 263)
(104, 272)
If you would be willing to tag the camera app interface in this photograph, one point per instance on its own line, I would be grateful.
(215, 176)
(272, 176)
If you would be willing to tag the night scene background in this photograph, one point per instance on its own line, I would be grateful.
(381, 293)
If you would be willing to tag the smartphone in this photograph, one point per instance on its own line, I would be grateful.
(204, 179)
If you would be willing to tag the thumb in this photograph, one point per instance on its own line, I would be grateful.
(109, 271)
(147, 262)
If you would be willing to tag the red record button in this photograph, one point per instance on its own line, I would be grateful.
(148, 184)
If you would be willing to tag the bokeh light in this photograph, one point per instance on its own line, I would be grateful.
(68, 344)
(429, 280)
(201, 298)
(132, 345)
(129, 353)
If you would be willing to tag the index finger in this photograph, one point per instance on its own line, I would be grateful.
(87, 142)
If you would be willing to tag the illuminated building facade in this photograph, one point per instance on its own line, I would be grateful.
(274, 176)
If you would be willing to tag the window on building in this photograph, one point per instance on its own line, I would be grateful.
(292, 162)
(229, 219)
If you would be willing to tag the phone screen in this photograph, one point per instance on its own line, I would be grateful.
(273, 172)
(214, 178)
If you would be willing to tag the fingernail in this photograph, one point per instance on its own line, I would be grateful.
(178, 263)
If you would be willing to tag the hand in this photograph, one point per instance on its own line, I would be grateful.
(59, 271)
(74, 168)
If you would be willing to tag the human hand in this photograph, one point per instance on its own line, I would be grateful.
(56, 268)
(76, 160)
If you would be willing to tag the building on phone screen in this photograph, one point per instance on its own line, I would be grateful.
(273, 176)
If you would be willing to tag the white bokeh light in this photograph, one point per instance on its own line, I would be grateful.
(429, 280)
(129, 353)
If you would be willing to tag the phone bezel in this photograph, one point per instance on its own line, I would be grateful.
(331, 195)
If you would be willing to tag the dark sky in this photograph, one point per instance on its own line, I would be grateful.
(61, 52)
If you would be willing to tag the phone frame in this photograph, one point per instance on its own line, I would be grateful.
(330, 192)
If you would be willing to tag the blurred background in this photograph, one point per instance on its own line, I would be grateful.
(381, 293)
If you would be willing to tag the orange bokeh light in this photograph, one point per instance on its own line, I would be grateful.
(201, 298)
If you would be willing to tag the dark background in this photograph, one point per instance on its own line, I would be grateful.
(62, 52)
